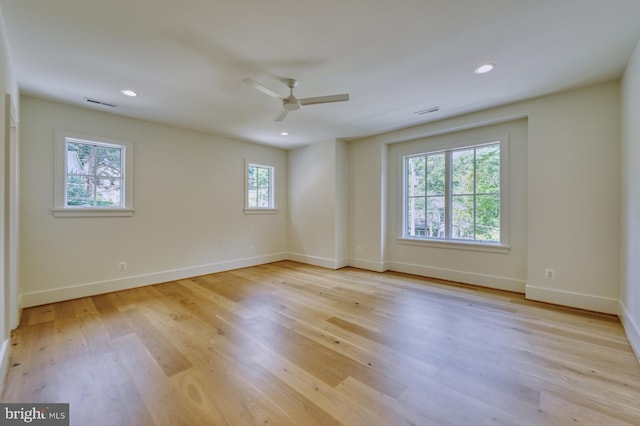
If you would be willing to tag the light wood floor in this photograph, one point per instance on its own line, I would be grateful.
(293, 344)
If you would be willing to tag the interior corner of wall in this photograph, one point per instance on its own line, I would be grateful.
(631, 328)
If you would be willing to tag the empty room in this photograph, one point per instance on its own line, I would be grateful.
(320, 213)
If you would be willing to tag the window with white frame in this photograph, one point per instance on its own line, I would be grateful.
(259, 188)
(93, 176)
(455, 195)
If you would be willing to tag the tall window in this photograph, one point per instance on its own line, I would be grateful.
(454, 194)
(93, 176)
(260, 187)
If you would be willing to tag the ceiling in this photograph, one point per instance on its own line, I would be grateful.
(187, 59)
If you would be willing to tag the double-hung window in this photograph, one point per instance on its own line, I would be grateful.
(93, 176)
(259, 188)
(455, 195)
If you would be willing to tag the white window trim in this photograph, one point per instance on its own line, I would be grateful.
(455, 244)
(260, 210)
(503, 246)
(59, 188)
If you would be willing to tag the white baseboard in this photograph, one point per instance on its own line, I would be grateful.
(369, 265)
(631, 328)
(573, 299)
(4, 363)
(91, 289)
(342, 263)
(483, 280)
(324, 262)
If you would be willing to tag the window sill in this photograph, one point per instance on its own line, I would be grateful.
(456, 245)
(91, 212)
(260, 211)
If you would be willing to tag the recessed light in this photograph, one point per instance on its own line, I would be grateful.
(483, 69)
(284, 133)
(128, 92)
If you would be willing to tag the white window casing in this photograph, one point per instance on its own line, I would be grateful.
(259, 188)
(64, 163)
(445, 237)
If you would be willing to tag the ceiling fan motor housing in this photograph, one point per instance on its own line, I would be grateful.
(291, 103)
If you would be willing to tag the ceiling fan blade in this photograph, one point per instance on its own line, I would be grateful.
(324, 99)
(282, 115)
(261, 88)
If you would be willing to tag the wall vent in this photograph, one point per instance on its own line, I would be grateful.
(97, 102)
(427, 111)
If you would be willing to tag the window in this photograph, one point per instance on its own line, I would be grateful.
(455, 195)
(93, 176)
(259, 189)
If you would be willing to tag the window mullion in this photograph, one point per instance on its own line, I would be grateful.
(425, 192)
(448, 207)
(65, 165)
(408, 174)
(269, 186)
(92, 174)
(475, 193)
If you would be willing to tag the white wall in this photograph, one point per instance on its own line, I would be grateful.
(317, 209)
(342, 203)
(8, 227)
(367, 204)
(574, 198)
(573, 195)
(630, 289)
(188, 199)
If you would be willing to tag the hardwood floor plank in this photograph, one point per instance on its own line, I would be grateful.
(115, 323)
(168, 357)
(444, 405)
(163, 405)
(292, 344)
(393, 412)
(118, 390)
(317, 391)
(558, 411)
(197, 392)
(298, 409)
(226, 355)
(40, 314)
(31, 362)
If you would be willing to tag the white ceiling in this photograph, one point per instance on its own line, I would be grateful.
(187, 58)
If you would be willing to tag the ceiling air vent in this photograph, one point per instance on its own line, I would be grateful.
(427, 111)
(97, 102)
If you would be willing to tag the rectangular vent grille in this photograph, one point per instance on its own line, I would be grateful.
(97, 102)
(427, 111)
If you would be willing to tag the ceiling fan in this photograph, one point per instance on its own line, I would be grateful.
(291, 103)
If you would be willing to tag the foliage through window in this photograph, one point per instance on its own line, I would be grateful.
(260, 186)
(94, 174)
(454, 194)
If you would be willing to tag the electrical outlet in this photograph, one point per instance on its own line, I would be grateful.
(122, 266)
(358, 250)
(549, 274)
